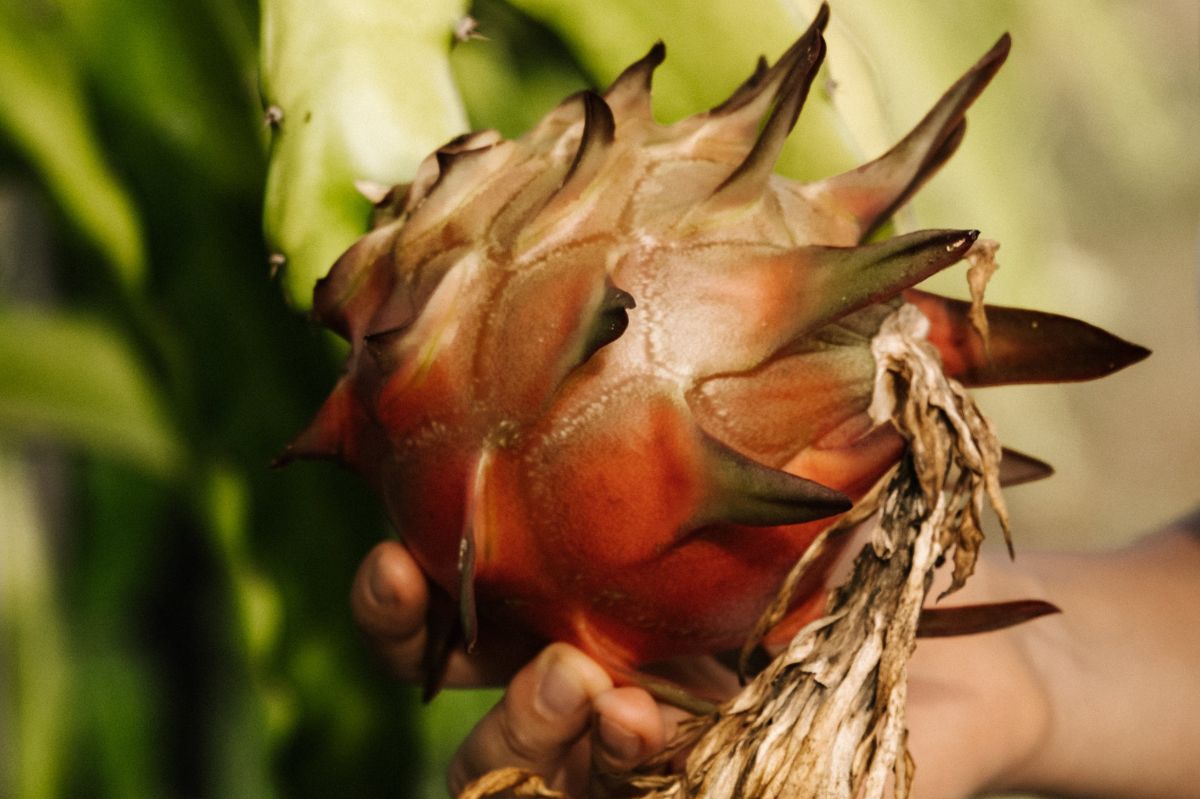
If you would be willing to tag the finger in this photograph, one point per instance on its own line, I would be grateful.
(628, 729)
(538, 725)
(390, 600)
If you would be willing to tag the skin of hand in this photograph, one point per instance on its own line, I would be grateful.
(1103, 700)
(560, 717)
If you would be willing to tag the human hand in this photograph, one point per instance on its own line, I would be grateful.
(561, 716)
(976, 715)
(1062, 704)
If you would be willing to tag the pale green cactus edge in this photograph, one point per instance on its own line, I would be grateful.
(357, 91)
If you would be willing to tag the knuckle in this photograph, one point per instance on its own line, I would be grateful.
(529, 743)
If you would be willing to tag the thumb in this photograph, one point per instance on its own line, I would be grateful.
(540, 724)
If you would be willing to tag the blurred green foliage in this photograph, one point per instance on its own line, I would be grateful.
(175, 613)
(173, 619)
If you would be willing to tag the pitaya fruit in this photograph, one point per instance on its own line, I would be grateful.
(611, 378)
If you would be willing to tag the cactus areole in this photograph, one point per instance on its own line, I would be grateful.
(611, 378)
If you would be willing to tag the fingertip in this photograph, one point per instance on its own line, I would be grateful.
(567, 681)
(629, 728)
(389, 596)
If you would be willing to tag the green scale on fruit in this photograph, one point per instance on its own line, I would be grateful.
(611, 378)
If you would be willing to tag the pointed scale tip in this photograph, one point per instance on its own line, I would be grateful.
(324, 438)
(1024, 346)
(999, 52)
(821, 21)
(748, 181)
(639, 71)
(873, 192)
(858, 276)
(974, 619)
(749, 493)
(629, 94)
(1017, 468)
(306, 446)
(761, 89)
(654, 57)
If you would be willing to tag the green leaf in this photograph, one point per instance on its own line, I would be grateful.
(360, 91)
(35, 666)
(162, 67)
(76, 379)
(260, 608)
(121, 699)
(45, 112)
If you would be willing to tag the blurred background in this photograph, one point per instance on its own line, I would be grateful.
(173, 614)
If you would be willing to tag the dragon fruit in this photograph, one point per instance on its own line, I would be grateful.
(611, 378)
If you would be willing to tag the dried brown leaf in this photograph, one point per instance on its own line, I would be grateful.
(510, 783)
(982, 257)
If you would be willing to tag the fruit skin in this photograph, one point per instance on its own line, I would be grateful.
(611, 378)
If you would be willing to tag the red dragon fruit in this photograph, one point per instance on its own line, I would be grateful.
(611, 378)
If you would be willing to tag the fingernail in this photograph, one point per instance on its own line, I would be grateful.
(621, 744)
(559, 692)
